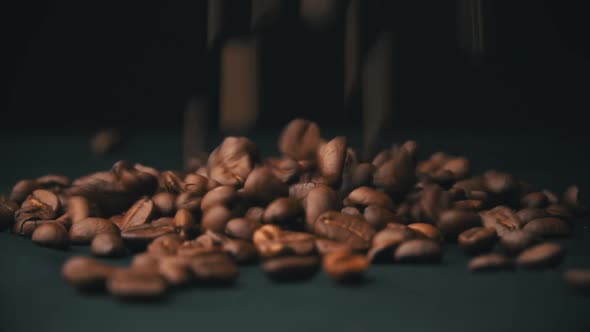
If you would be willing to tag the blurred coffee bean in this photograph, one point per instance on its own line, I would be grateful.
(86, 274)
(489, 263)
(517, 241)
(165, 245)
(175, 270)
(283, 211)
(561, 211)
(428, 231)
(51, 235)
(469, 205)
(222, 195)
(139, 214)
(319, 200)
(241, 251)
(534, 200)
(324, 246)
(386, 241)
(131, 284)
(216, 218)
(576, 201)
(107, 141)
(42, 196)
(300, 190)
(528, 214)
(477, 239)
(262, 186)
(540, 256)
(578, 279)
(351, 210)
(432, 201)
(22, 189)
(189, 200)
(418, 251)
(185, 224)
(291, 268)
(285, 169)
(331, 157)
(165, 203)
(299, 140)
(364, 196)
(453, 222)
(84, 231)
(170, 182)
(232, 161)
(362, 175)
(196, 183)
(242, 228)
(108, 245)
(353, 230)
(397, 175)
(216, 268)
(551, 196)
(78, 208)
(137, 237)
(548, 226)
(345, 265)
(502, 219)
(7, 210)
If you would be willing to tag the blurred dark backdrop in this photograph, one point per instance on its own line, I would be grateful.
(74, 64)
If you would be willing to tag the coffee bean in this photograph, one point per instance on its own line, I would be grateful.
(7, 210)
(283, 211)
(319, 200)
(418, 251)
(165, 203)
(53, 182)
(291, 268)
(517, 241)
(197, 184)
(141, 235)
(242, 252)
(452, 222)
(397, 175)
(216, 268)
(131, 284)
(299, 140)
(351, 210)
(83, 231)
(432, 201)
(551, 196)
(139, 214)
(578, 279)
(241, 228)
(324, 246)
(145, 261)
(185, 224)
(527, 214)
(331, 157)
(297, 243)
(23, 189)
(222, 195)
(175, 270)
(107, 141)
(345, 228)
(170, 182)
(189, 200)
(285, 169)
(271, 241)
(26, 227)
(469, 205)
(300, 190)
(540, 256)
(548, 226)
(501, 218)
(442, 168)
(86, 274)
(232, 161)
(345, 266)
(362, 175)
(364, 196)
(428, 231)
(500, 183)
(78, 208)
(52, 235)
(165, 245)
(477, 239)
(576, 201)
(386, 241)
(108, 245)
(216, 218)
(534, 200)
(262, 186)
(489, 262)
(458, 194)
(560, 211)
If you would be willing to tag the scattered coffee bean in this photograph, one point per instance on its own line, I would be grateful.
(52, 235)
(517, 241)
(283, 211)
(222, 195)
(165, 245)
(300, 139)
(320, 199)
(540, 256)
(452, 222)
(83, 231)
(502, 218)
(242, 252)
(86, 274)
(141, 235)
(131, 284)
(165, 203)
(418, 251)
(364, 196)
(139, 214)
(325, 246)
(528, 214)
(331, 157)
(78, 208)
(353, 230)
(548, 226)
(428, 231)
(477, 239)
(108, 245)
(291, 268)
(561, 211)
(489, 262)
(345, 265)
(216, 218)
(216, 268)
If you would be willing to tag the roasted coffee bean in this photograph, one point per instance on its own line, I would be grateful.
(108, 245)
(489, 263)
(432, 201)
(517, 241)
(442, 168)
(528, 214)
(23, 189)
(578, 279)
(222, 195)
(285, 169)
(560, 211)
(170, 182)
(255, 213)
(548, 226)
(196, 183)
(573, 199)
(139, 214)
(362, 175)
(232, 161)
(165, 203)
(325, 246)
(386, 241)
(551, 196)
(271, 241)
(452, 222)
(189, 200)
(501, 218)
(141, 235)
(500, 183)
(282, 210)
(331, 157)
(26, 227)
(242, 228)
(86, 274)
(42, 197)
(364, 196)
(241, 251)
(469, 205)
(131, 284)
(52, 235)
(216, 218)
(145, 261)
(477, 239)
(165, 245)
(7, 210)
(117, 220)
(378, 217)
(300, 190)
(382, 157)
(175, 270)
(345, 265)
(215, 268)
(534, 200)
(457, 194)
(107, 141)
(300, 139)
(262, 186)
(319, 200)
(428, 231)
(185, 224)
(540, 256)
(397, 175)
(78, 208)
(351, 210)
(83, 231)
(291, 268)
(53, 181)
(353, 230)
(418, 251)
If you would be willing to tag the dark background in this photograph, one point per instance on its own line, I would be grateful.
(73, 64)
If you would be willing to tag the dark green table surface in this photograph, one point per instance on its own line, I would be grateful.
(443, 297)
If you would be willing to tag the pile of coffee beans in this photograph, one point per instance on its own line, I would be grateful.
(316, 207)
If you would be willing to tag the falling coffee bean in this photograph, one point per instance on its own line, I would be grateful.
(489, 262)
(540, 256)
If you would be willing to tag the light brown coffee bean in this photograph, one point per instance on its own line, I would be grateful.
(51, 235)
(364, 196)
(502, 218)
(242, 252)
(299, 140)
(540, 256)
(189, 200)
(241, 228)
(78, 208)
(319, 200)
(145, 261)
(46, 197)
(517, 241)
(165, 203)
(477, 239)
(222, 195)
(108, 245)
(170, 182)
(83, 231)
(490, 263)
(300, 190)
(185, 224)
(131, 284)
(386, 241)
(362, 175)
(452, 222)
(86, 274)
(548, 226)
(216, 218)
(141, 235)
(175, 270)
(324, 246)
(196, 183)
(418, 251)
(291, 268)
(283, 211)
(351, 210)
(397, 175)
(232, 161)
(140, 213)
(331, 157)
(345, 266)
(262, 186)
(428, 231)
(165, 245)
(215, 268)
